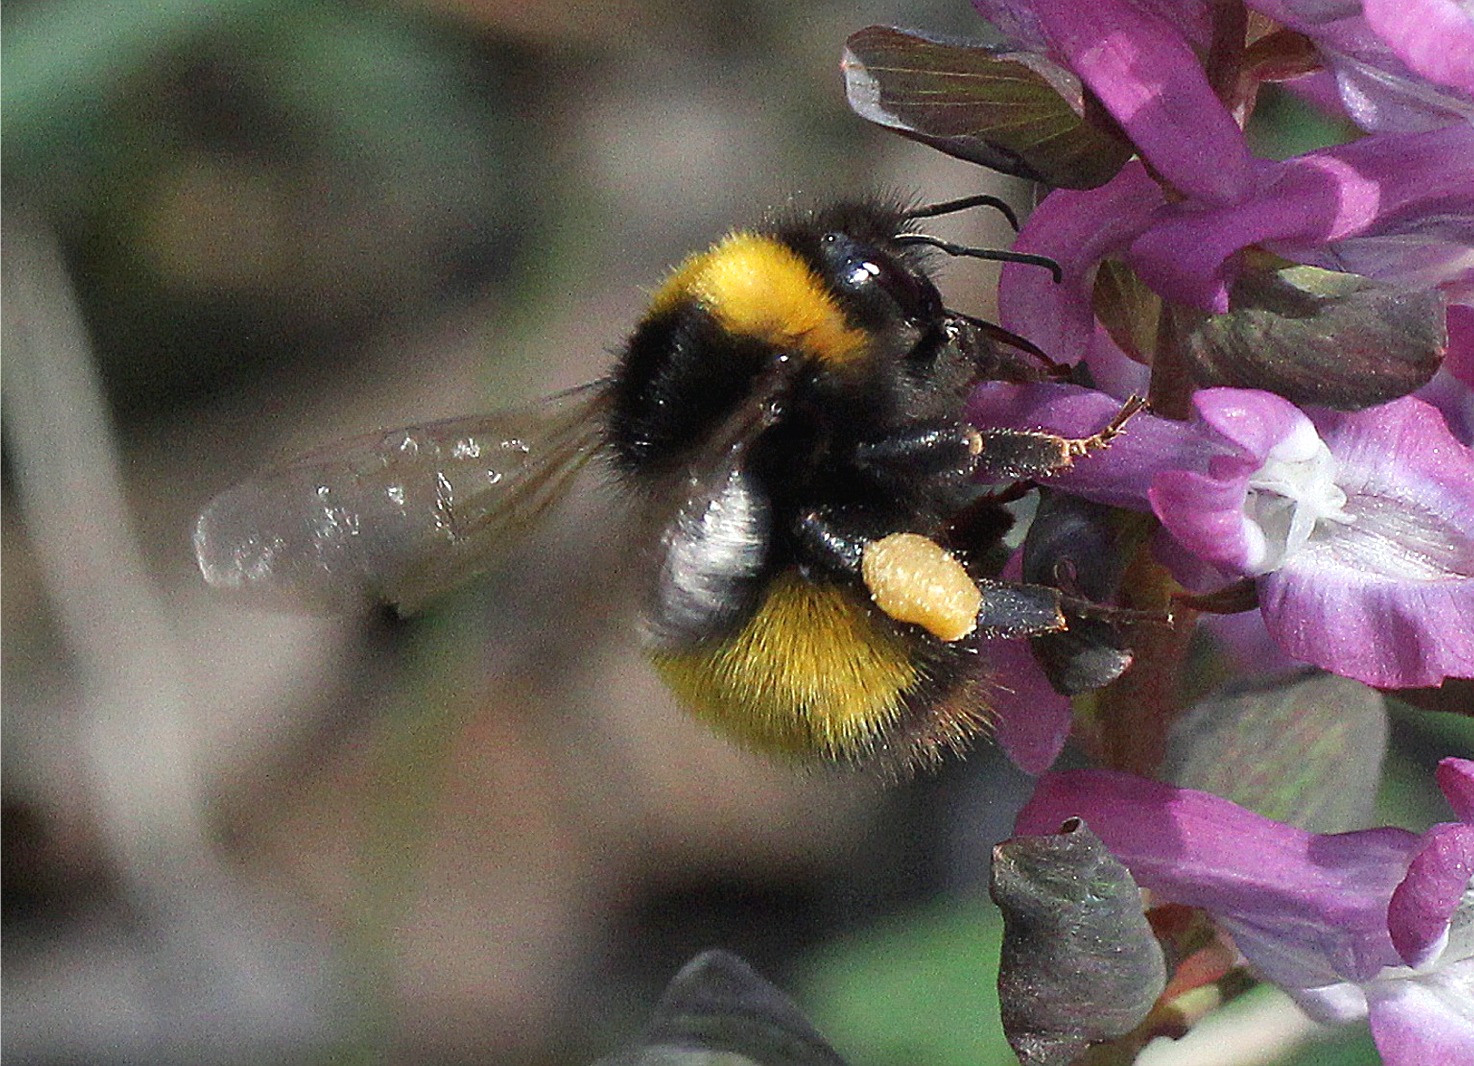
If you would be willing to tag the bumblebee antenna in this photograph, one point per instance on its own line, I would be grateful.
(948, 207)
(998, 254)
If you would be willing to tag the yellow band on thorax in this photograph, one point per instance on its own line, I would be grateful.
(756, 286)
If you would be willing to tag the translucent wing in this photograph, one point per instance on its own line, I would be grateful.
(397, 516)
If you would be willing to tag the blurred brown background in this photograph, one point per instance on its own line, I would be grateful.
(237, 229)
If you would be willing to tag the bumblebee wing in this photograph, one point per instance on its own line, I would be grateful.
(713, 534)
(397, 516)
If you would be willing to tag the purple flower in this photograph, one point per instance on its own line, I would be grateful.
(1392, 65)
(1433, 37)
(1078, 230)
(1358, 528)
(1031, 720)
(1452, 389)
(1139, 59)
(1399, 208)
(1396, 65)
(1377, 923)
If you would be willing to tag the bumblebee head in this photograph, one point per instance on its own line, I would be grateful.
(839, 299)
(879, 285)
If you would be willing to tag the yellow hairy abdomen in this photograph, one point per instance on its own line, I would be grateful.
(812, 673)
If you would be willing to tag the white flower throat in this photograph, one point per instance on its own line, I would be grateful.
(1293, 492)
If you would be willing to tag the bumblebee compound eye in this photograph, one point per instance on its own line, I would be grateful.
(876, 285)
(914, 579)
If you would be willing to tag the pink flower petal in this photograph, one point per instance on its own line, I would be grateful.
(1433, 37)
(1427, 1020)
(1203, 510)
(1077, 230)
(1145, 72)
(1460, 358)
(1204, 515)
(1423, 905)
(1386, 593)
(1033, 721)
(1394, 76)
(1307, 910)
(1376, 629)
(1391, 184)
(1252, 421)
(1452, 388)
(1456, 779)
(1389, 597)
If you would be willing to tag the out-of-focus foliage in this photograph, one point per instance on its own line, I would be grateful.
(718, 1008)
(246, 185)
(1286, 752)
(1341, 1049)
(920, 987)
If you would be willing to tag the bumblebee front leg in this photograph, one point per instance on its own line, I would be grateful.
(1026, 454)
(922, 453)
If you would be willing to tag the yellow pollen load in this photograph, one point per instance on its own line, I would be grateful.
(810, 674)
(756, 286)
(914, 579)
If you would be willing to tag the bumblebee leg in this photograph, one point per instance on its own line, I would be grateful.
(925, 451)
(1013, 609)
(910, 577)
(1025, 454)
(835, 539)
(1085, 445)
(914, 579)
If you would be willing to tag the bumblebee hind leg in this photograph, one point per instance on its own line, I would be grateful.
(914, 579)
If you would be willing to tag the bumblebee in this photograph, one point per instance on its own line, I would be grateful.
(788, 416)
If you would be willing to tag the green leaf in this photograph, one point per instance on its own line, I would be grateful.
(1015, 112)
(1319, 337)
(1308, 753)
(65, 59)
(1080, 963)
(1352, 1046)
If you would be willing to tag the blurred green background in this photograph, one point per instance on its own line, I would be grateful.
(237, 229)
